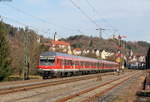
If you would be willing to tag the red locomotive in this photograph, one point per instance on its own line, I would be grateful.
(60, 64)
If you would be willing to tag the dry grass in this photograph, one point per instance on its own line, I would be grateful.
(18, 77)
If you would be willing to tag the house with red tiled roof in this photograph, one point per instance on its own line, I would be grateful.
(60, 46)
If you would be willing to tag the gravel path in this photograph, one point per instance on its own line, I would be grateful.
(51, 93)
(114, 93)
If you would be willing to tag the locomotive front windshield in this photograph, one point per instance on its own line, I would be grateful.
(47, 61)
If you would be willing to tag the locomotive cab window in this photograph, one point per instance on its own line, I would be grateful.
(47, 61)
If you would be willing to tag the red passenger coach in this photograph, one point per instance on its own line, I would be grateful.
(60, 64)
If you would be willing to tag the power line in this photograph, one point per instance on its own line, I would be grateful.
(40, 19)
(28, 14)
(86, 15)
(17, 22)
(97, 12)
(23, 24)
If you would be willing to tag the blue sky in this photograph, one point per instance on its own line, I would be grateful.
(129, 17)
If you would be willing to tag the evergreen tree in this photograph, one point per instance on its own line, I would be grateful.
(91, 44)
(5, 62)
(148, 59)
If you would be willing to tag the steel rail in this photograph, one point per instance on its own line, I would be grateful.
(35, 85)
(64, 99)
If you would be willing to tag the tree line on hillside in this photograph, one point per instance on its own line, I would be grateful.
(15, 45)
(5, 59)
(148, 59)
(89, 42)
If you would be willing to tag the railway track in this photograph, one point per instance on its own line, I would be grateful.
(24, 86)
(88, 95)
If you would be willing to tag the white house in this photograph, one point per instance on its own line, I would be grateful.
(105, 54)
(77, 51)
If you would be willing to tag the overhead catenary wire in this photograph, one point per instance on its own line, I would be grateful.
(41, 19)
(84, 13)
(18, 22)
(35, 29)
(98, 13)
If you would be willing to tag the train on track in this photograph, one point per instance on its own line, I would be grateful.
(54, 64)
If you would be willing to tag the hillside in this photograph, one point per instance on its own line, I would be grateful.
(22, 46)
(86, 42)
(23, 43)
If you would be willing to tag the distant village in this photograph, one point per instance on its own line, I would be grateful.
(65, 47)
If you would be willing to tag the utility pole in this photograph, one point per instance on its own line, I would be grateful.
(100, 32)
(26, 56)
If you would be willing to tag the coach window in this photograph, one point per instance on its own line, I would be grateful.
(70, 62)
(73, 63)
(81, 63)
(47, 61)
(61, 62)
(111, 65)
(97, 64)
(91, 64)
(94, 64)
(65, 62)
(101, 64)
(108, 65)
(77, 63)
(86, 64)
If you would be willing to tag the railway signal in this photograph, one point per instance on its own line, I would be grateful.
(119, 58)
